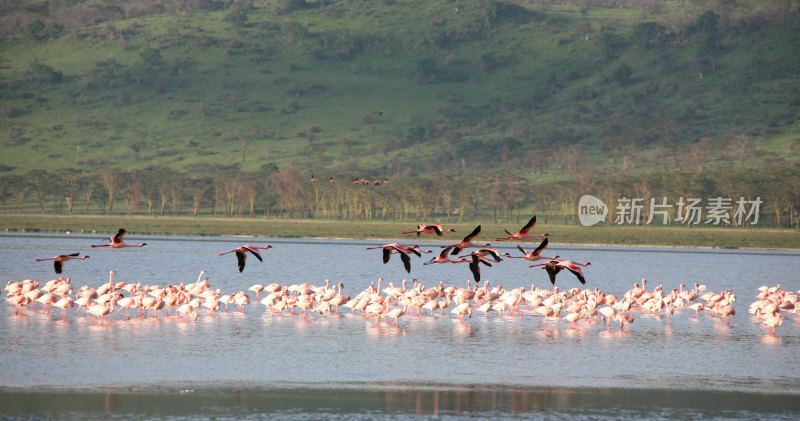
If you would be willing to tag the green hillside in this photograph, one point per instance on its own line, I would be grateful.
(472, 108)
(400, 87)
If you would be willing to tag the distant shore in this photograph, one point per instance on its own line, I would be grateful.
(717, 237)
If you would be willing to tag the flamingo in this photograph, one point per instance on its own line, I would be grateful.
(257, 288)
(116, 241)
(395, 314)
(475, 268)
(100, 311)
(187, 310)
(443, 258)
(20, 301)
(485, 252)
(555, 266)
(63, 304)
(429, 229)
(534, 255)
(58, 261)
(772, 320)
(241, 254)
(523, 233)
(404, 251)
(462, 309)
(467, 242)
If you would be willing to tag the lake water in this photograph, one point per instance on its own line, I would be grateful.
(253, 364)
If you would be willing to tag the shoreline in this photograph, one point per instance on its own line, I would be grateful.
(380, 399)
(716, 238)
(510, 244)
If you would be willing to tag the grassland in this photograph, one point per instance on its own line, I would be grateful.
(263, 227)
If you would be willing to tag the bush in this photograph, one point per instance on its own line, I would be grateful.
(237, 18)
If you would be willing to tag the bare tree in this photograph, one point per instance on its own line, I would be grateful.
(111, 178)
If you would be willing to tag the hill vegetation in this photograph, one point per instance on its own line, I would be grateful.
(534, 97)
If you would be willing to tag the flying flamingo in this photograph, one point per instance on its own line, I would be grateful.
(443, 258)
(241, 254)
(429, 229)
(555, 266)
(467, 242)
(475, 267)
(534, 255)
(58, 261)
(485, 252)
(116, 241)
(403, 251)
(523, 233)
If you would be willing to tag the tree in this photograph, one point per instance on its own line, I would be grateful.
(288, 190)
(18, 186)
(176, 181)
(646, 33)
(707, 21)
(111, 178)
(34, 30)
(40, 180)
(248, 189)
(135, 191)
(44, 73)
(151, 57)
(237, 18)
(89, 185)
(198, 188)
(622, 74)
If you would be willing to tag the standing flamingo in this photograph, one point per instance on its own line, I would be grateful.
(241, 254)
(467, 242)
(523, 233)
(429, 229)
(116, 241)
(58, 261)
(63, 304)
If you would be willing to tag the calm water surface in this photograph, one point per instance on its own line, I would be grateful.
(244, 364)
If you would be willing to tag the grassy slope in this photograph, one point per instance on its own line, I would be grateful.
(218, 86)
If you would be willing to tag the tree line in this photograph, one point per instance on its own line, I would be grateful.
(228, 192)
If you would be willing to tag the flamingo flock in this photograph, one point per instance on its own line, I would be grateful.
(123, 301)
(485, 255)
(573, 307)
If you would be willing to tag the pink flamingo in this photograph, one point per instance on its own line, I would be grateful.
(555, 266)
(116, 241)
(395, 314)
(241, 254)
(403, 251)
(63, 304)
(58, 261)
(475, 268)
(443, 258)
(429, 229)
(462, 309)
(523, 233)
(467, 242)
(100, 311)
(485, 252)
(534, 255)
